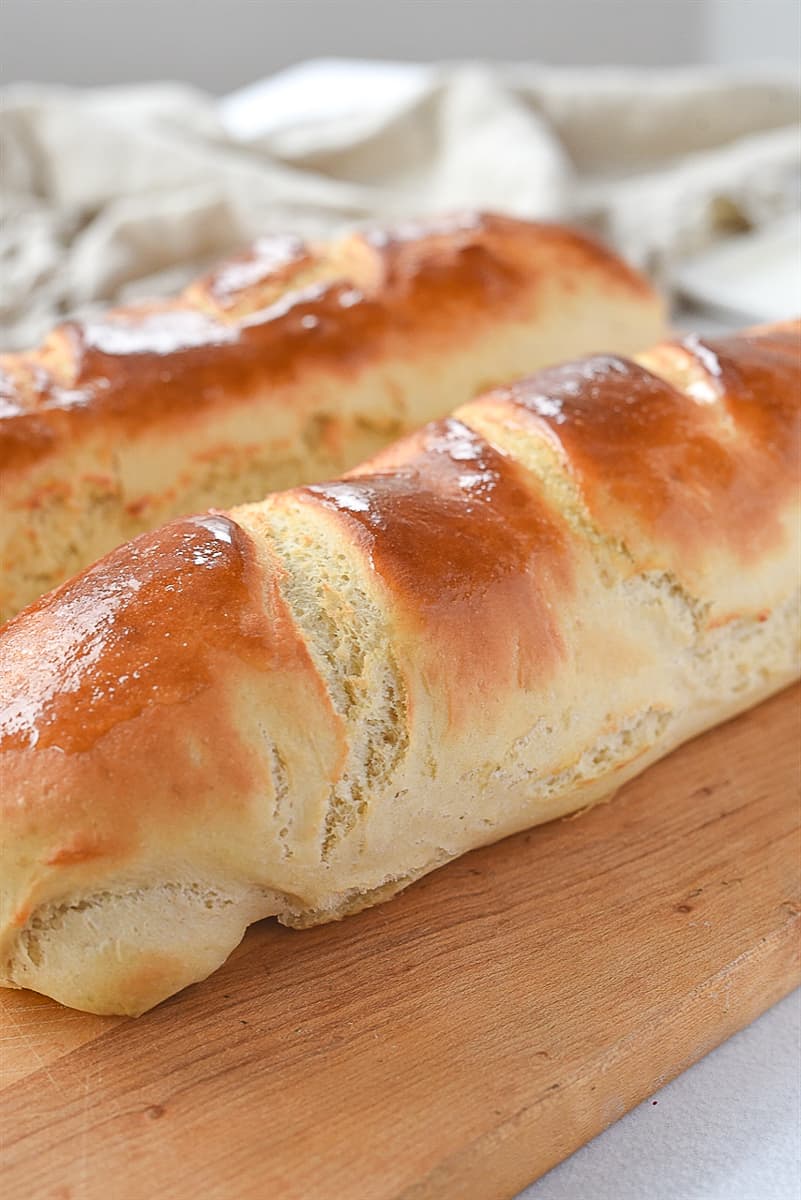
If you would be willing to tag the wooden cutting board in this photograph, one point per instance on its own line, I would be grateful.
(457, 1042)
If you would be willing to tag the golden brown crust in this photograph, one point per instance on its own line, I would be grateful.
(705, 462)
(299, 707)
(477, 559)
(114, 683)
(121, 633)
(286, 365)
(274, 311)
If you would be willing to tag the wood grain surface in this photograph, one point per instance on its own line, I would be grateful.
(456, 1042)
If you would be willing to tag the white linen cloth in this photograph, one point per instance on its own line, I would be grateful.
(115, 193)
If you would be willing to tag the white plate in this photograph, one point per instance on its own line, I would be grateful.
(754, 277)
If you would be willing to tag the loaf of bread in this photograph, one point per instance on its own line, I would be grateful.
(300, 706)
(288, 365)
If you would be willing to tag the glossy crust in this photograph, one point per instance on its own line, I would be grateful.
(299, 707)
(286, 365)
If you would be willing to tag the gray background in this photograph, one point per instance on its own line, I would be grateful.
(221, 44)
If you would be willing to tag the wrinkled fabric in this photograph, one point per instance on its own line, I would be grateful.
(116, 193)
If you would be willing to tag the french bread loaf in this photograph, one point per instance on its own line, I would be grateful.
(300, 706)
(285, 366)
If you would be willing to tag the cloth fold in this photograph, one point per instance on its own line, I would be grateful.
(112, 194)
